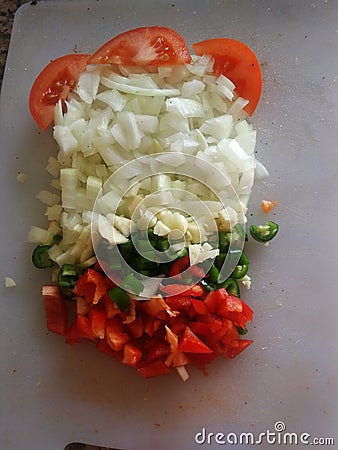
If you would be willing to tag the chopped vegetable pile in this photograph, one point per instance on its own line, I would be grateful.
(153, 177)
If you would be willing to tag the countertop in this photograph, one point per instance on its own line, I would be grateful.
(7, 12)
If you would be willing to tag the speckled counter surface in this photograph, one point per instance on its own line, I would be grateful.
(7, 11)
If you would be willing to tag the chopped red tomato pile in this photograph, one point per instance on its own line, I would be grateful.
(152, 335)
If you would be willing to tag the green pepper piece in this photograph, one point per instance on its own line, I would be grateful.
(264, 233)
(241, 330)
(57, 238)
(213, 274)
(120, 297)
(231, 285)
(208, 287)
(242, 267)
(68, 276)
(40, 257)
(132, 284)
(223, 241)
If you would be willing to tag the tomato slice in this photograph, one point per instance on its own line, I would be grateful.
(237, 62)
(155, 46)
(55, 82)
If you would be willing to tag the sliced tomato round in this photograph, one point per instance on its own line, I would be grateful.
(55, 82)
(155, 46)
(237, 62)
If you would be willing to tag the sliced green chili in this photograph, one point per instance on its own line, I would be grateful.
(120, 297)
(213, 274)
(68, 276)
(57, 238)
(242, 267)
(231, 285)
(208, 287)
(264, 233)
(40, 257)
(132, 284)
(241, 330)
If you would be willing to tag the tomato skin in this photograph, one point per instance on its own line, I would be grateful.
(97, 317)
(56, 313)
(153, 369)
(237, 62)
(116, 334)
(80, 329)
(190, 343)
(92, 286)
(53, 83)
(131, 355)
(154, 46)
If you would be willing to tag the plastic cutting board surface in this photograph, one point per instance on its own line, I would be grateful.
(53, 394)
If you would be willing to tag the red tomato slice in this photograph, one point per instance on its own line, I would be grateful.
(156, 46)
(55, 82)
(237, 62)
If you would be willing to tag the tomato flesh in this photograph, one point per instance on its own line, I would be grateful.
(155, 46)
(54, 83)
(56, 313)
(237, 62)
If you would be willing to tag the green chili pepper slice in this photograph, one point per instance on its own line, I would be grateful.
(120, 297)
(68, 276)
(132, 284)
(264, 233)
(40, 257)
(231, 285)
(213, 274)
(241, 330)
(242, 267)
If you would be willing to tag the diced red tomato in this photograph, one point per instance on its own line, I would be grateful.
(136, 328)
(247, 311)
(190, 343)
(155, 46)
(237, 62)
(178, 302)
(182, 264)
(54, 83)
(200, 328)
(131, 355)
(92, 286)
(116, 334)
(153, 369)
(199, 306)
(232, 351)
(80, 329)
(110, 306)
(212, 301)
(98, 317)
(56, 310)
(158, 350)
(268, 205)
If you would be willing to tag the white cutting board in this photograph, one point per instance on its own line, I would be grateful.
(53, 394)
